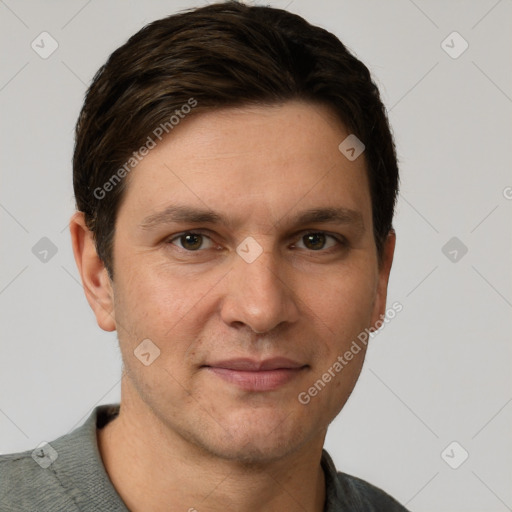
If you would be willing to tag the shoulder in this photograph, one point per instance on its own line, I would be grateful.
(347, 492)
(366, 496)
(26, 485)
(60, 476)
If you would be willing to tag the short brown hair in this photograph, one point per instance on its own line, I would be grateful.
(221, 55)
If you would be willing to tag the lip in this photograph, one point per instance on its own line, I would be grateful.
(253, 365)
(254, 375)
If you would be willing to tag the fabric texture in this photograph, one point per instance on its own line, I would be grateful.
(68, 475)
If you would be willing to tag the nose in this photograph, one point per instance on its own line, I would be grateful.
(259, 294)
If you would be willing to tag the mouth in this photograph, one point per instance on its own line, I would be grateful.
(254, 375)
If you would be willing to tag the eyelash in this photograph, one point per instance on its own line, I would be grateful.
(341, 241)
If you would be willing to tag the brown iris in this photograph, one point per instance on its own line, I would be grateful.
(191, 241)
(314, 241)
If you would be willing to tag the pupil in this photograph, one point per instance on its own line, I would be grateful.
(191, 241)
(315, 240)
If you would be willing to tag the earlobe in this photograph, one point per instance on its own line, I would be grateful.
(95, 280)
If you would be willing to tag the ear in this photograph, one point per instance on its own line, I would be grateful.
(95, 279)
(388, 251)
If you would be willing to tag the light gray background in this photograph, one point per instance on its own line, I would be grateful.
(439, 372)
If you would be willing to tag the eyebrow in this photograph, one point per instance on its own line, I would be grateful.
(187, 214)
(181, 214)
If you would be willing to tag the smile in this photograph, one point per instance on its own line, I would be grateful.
(251, 375)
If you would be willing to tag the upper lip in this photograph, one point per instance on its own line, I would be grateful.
(253, 365)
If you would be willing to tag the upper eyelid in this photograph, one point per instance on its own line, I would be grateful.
(190, 231)
(172, 238)
(338, 237)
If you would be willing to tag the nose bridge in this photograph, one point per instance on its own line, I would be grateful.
(262, 274)
(258, 294)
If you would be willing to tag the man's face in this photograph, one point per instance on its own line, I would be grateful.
(242, 334)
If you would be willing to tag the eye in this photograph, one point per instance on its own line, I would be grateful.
(316, 241)
(191, 241)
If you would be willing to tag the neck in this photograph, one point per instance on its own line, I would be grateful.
(155, 469)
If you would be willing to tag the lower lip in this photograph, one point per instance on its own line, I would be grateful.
(264, 380)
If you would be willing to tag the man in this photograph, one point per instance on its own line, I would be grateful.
(235, 180)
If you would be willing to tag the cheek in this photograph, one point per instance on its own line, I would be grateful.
(166, 308)
(156, 300)
(156, 309)
(343, 301)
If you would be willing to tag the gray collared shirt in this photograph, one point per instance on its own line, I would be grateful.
(67, 475)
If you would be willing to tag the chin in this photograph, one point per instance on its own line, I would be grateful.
(258, 442)
(256, 452)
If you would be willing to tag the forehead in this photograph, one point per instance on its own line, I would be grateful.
(258, 160)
